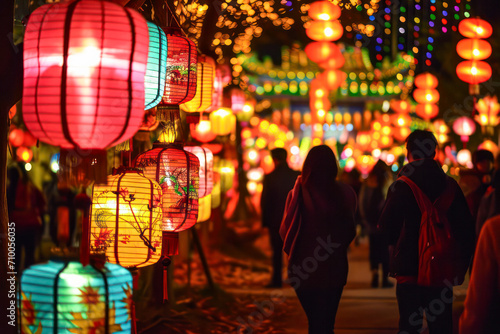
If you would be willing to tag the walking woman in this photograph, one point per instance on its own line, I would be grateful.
(317, 228)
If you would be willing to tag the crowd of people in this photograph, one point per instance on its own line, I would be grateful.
(423, 228)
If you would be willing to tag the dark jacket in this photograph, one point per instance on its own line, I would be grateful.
(276, 186)
(400, 220)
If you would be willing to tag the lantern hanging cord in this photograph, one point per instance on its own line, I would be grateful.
(173, 17)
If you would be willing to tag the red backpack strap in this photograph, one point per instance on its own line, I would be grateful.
(424, 203)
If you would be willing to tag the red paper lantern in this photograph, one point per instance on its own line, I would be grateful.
(180, 83)
(332, 79)
(324, 11)
(464, 126)
(474, 71)
(84, 67)
(24, 154)
(426, 81)
(475, 28)
(335, 62)
(426, 95)
(202, 131)
(474, 49)
(320, 52)
(325, 31)
(16, 137)
(400, 106)
(206, 159)
(203, 98)
(427, 111)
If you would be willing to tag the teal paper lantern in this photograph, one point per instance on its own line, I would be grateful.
(63, 296)
(154, 80)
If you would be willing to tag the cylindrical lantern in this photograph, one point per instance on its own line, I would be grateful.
(324, 11)
(223, 121)
(205, 208)
(84, 73)
(63, 296)
(226, 171)
(325, 31)
(180, 82)
(202, 131)
(426, 95)
(320, 52)
(426, 81)
(126, 219)
(475, 28)
(177, 172)
(427, 111)
(154, 81)
(206, 159)
(203, 98)
(474, 49)
(16, 137)
(474, 71)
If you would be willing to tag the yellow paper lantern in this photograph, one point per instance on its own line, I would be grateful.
(203, 97)
(223, 121)
(204, 208)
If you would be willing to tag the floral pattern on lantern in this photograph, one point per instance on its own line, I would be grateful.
(177, 172)
(154, 81)
(181, 78)
(126, 220)
(203, 98)
(206, 159)
(84, 74)
(65, 297)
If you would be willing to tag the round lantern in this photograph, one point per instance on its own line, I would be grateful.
(234, 99)
(335, 62)
(202, 131)
(324, 11)
(401, 133)
(426, 95)
(475, 28)
(324, 31)
(203, 98)
(464, 157)
(223, 121)
(181, 77)
(204, 208)
(332, 79)
(363, 140)
(246, 114)
(206, 159)
(83, 81)
(427, 111)
(400, 106)
(490, 146)
(154, 80)
(464, 127)
(63, 296)
(488, 108)
(474, 49)
(426, 80)
(177, 172)
(474, 71)
(126, 219)
(320, 52)
(24, 154)
(16, 137)
(401, 120)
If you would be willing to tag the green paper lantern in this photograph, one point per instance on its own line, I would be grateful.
(63, 296)
(154, 80)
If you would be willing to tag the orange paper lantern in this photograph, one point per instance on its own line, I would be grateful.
(335, 62)
(332, 79)
(320, 52)
(427, 111)
(426, 80)
(474, 71)
(203, 97)
(426, 95)
(475, 28)
(325, 31)
(400, 106)
(474, 49)
(324, 11)
(202, 131)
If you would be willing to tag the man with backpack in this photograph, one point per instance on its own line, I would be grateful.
(430, 231)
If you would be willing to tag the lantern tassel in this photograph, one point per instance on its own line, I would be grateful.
(166, 262)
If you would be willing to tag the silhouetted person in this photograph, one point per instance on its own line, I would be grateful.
(401, 221)
(482, 305)
(371, 203)
(276, 186)
(317, 229)
(490, 203)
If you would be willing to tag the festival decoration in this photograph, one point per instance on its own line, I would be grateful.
(324, 11)
(464, 127)
(63, 296)
(154, 80)
(203, 98)
(206, 159)
(126, 219)
(24, 154)
(222, 121)
(324, 31)
(320, 52)
(426, 95)
(234, 99)
(475, 28)
(202, 131)
(204, 208)
(487, 113)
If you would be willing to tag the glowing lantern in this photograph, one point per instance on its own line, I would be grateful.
(400, 106)
(426, 80)
(464, 157)
(363, 139)
(401, 133)
(474, 49)
(202, 131)
(246, 114)
(223, 121)
(324, 11)
(234, 99)
(154, 80)
(474, 71)
(490, 146)
(401, 120)
(204, 208)
(180, 82)
(63, 296)
(126, 219)
(320, 52)
(488, 108)
(226, 171)
(365, 163)
(24, 154)
(332, 79)
(441, 130)
(464, 127)
(206, 159)
(217, 90)
(29, 139)
(84, 81)
(16, 137)
(427, 111)
(203, 98)
(426, 95)
(475, 28)
(335, 62)
(325, 31)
